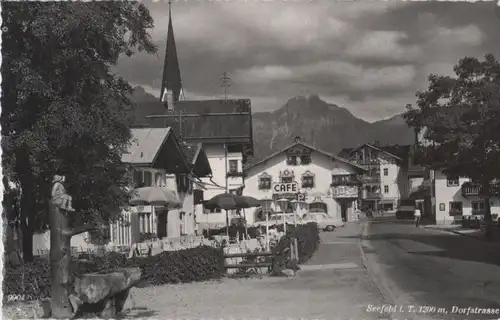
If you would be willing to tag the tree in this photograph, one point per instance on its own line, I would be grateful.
(65, 112)
(461, 116)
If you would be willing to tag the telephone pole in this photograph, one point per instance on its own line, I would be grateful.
(225, 83)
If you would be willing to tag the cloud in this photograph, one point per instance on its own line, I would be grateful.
(469, 35)
(369, 56)
(355, 76)
(384, 45)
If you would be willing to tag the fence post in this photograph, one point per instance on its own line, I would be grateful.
(296, 247)
(292, 250)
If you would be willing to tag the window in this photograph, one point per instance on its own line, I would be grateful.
(215, 210)
(183, 183)
(138, 179)
(305, 159)
(456, 208)
(308, 181)
(148, 179)
(159, 180)
(478, 207)
(386, 172)
(452, 182)
(291, 160)
(233, 166)
(264, 183)
(287, 176)
(386, 189)
(343, 179)
(318, 207)
(143, 179)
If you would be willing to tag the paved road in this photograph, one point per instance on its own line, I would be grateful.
(431, 269)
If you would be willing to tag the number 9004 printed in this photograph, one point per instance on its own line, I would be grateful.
(19, 297)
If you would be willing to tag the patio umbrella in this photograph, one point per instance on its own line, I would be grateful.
(155, 196)
(248, 202)
(225, 201)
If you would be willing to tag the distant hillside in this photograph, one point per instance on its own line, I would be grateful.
(327, 126)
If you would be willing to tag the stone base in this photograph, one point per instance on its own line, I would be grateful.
(103, 294)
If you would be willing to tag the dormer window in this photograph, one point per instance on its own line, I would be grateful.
(305, 159)
(265, 182)
(452, 182)
(291, 160)
(308, 180)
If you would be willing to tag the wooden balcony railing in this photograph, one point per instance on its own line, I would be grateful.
(471, 190)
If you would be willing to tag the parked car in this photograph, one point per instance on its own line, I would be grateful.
(324, 221)
(406, 209)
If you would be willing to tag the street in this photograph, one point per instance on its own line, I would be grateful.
(432, 274)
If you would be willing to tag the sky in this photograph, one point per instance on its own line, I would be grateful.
(369, 57)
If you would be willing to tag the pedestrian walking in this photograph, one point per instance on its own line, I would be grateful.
(418, 215)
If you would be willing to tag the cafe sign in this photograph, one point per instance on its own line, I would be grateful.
(291, 187)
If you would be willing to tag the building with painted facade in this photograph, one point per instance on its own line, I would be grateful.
(452, 198)
(223, 127)
(392, 176)
(157, 159)
(324, 179)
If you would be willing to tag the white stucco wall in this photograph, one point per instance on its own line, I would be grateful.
(321, 166)
(391, 180)
(216, 158)
(444, 195)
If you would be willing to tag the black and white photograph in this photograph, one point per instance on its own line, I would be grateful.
(250, 159)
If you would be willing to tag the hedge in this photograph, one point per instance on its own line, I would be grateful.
(196, 264)
(308, 240)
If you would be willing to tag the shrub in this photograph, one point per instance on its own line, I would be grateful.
(307, 236)
(197, 264)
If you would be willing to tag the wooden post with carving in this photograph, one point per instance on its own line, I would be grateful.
(60, 206)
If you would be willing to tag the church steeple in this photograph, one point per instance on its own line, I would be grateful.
(171, 85)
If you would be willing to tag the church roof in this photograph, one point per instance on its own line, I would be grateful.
(171, 79)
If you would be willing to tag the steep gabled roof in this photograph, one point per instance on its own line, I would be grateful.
(148, 148)
(171, 79)
(197, 158)
(330, 155)
(387, 150)
(145, 144)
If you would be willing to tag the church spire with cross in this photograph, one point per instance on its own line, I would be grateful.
(171, 85)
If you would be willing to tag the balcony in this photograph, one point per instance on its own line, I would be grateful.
(345, 191)
(470, 189)
(366, 162)
(370, 179)
(235, 174)
(347, 182)
(370, 195)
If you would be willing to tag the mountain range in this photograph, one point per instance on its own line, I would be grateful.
(324, 125)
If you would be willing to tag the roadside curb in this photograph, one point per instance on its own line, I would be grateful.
(384, 291)
(391, 296)
(453, 231)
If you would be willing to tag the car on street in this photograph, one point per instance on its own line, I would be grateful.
(324, 221)
(406, 209)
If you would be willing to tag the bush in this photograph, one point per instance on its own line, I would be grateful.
(197, 264)
(307, 236)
